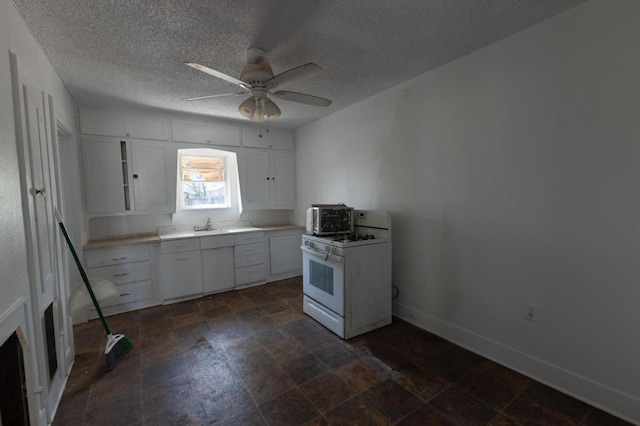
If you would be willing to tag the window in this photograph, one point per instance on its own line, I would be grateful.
(204, 181)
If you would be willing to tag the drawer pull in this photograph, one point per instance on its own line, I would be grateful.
(119, 258)
(125, 294)
(124, 274)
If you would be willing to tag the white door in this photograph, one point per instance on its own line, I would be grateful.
(152, 176)
(103, 175)
(256, 178)
(218, 272)
(283, 177)
(34, 136)
(285, 254)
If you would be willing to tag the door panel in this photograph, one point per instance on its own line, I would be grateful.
(39, 194)
(41, 190)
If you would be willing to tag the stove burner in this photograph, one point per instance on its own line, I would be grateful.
(353, 237)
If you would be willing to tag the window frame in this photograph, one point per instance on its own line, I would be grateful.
(203, 153)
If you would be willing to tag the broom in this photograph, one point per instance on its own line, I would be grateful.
(117, 344)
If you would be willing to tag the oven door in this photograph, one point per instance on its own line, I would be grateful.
(323, 278)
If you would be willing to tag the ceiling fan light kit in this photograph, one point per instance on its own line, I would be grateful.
(257, 81)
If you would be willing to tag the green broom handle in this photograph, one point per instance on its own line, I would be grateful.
(82, 273)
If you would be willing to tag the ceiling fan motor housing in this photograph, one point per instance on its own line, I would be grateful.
(257, 70)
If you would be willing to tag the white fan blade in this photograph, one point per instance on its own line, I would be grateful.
(218, 74)
(223, 95)
(301, 98)
(294, 75)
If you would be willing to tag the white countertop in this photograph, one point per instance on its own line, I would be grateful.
(178, 232)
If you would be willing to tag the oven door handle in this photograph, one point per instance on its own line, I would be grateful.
(323, 254)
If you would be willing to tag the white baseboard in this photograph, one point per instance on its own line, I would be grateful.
(596, 394)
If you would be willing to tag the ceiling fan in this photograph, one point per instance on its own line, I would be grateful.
(257, 81)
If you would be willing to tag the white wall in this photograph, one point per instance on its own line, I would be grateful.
(513, 176)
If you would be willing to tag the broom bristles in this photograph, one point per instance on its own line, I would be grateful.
(117, 347)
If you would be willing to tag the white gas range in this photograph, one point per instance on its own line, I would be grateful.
(347, 279)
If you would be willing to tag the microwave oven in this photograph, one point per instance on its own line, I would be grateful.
(330, 219)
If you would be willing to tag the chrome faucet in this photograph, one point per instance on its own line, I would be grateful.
(207, 227)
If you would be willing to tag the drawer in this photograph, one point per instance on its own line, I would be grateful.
(249, 238)
(116, 259)
(249, 274)
(132, 292)
(248, 249)
(178, 246)
(216, 241)
(125, 273)
(252, 259)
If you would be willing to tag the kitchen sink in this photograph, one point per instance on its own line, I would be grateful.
(172, 233)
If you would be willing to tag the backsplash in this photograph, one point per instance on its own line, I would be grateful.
(115, 226)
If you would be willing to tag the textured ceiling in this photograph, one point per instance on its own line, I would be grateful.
(131, 52)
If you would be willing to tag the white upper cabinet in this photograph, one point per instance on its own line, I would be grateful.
(283, 179)
(269, 179)
(123, 175)
(195, 131)
(153, 173)
(103, 175)
(276, 139)
(123, 124)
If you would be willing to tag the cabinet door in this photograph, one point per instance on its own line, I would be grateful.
(152, 173)
(102, 122)
(180, 275)
(283, 176)
(146, 127)
(285, 253)
(103, 176)
(217, 269)
(277, 139)
(205, 133)
(123, 124)
(256, 178)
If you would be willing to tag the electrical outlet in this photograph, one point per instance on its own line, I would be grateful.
(531, 312)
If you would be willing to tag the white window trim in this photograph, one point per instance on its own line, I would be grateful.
(232, 182)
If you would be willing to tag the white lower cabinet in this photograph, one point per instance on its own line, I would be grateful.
(130, 269)
(249, 259)
(285, 255)
(218, 273)
(180, 269)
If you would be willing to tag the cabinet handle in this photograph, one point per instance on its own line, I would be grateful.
(41, 191)
(125, 294)
(124, 274)
(268, 178)
(181, 246)
(118, 258)
(135, 176)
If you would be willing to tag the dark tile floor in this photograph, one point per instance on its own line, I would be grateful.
(251, 357)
